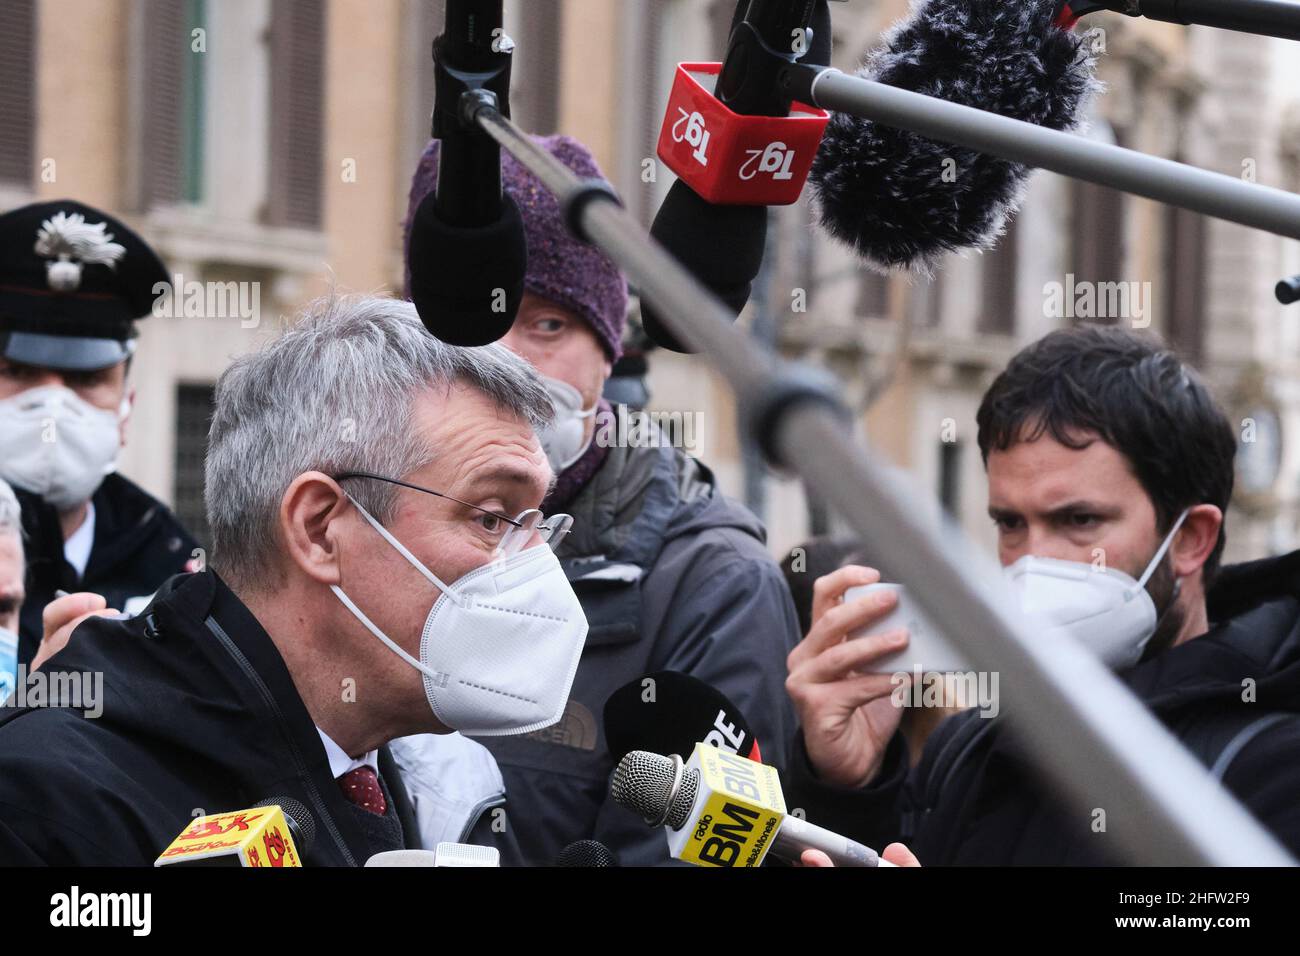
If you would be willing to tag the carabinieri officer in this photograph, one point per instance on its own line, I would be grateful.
(73, 283)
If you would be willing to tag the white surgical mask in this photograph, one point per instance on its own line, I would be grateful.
(1102, 608)
(501, 645)
(565, 439)
(8, 663)
(57, 445)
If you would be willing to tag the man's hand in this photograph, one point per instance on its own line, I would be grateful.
(895, 853)
(847, 716)
(61, 616)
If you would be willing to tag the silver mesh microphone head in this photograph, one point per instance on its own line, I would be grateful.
(655, 788)
(301, 823)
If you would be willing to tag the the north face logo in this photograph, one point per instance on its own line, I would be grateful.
(576, 729)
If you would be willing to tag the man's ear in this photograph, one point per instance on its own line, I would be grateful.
(1195, 539)
(310, 512)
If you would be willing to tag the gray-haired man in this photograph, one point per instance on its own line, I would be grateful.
(381, 570)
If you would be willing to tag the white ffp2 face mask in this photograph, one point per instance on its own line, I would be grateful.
(564, 440)
(8, 663)
(1104, 609)
(500, 647)
(57, 445)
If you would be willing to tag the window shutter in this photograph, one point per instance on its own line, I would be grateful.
(873, 295)
(194, 405)
(166, 42)
(535, 75)
(17, 91)
(998, 299)
(297, 112)
(1184, 286)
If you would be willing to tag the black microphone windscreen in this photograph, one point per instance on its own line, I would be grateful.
(722, 246)
(586, 853)
(467, 282)
(669, 713)
(304, 824)
(902, 200)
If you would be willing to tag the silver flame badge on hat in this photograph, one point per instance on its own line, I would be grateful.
(70, 243)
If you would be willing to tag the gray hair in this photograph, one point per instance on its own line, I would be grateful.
(11, 515)
(336, 393)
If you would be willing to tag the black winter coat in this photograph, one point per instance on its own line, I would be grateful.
(975, 798)
(138, 545)
(199, 715)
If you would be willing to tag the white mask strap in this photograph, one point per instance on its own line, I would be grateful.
(392, 645)
(1155, 562)
(401, 549)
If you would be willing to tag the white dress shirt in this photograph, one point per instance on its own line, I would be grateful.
(79, 544)
(341, 763)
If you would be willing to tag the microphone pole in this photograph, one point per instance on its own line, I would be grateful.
(472, 56)
(1087, 732)
(1274, 18)
(1213, 194)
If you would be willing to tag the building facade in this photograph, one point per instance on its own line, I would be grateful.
(265, 147)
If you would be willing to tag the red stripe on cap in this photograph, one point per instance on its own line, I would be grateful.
(1067, 18)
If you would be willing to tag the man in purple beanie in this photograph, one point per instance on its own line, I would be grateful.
(672, 575)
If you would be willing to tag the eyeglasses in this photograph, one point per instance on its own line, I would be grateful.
(519, 531)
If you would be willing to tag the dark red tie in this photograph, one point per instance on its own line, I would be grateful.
(361, 786)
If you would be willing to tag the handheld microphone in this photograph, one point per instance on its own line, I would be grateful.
(903, 201)
(723, 244)
(277, 832)
(722, 810)
(670, 712)
(586, 853)
(466, 244)
(446, 855)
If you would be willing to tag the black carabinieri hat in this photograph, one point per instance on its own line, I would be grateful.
(73, 283)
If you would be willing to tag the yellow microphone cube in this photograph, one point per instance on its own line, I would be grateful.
(737, 813)
(257, 837)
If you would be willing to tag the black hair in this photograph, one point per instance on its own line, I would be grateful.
(1137, 396)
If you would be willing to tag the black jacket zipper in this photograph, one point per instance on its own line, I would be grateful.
(299, 763)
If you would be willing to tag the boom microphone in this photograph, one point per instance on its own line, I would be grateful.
(722, 810)
(466, 244)
(722, 245)
(1274, 18)
(901, 200)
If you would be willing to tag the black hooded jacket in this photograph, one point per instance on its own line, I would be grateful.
(138, 545)
(199, 715)
(1232, 696)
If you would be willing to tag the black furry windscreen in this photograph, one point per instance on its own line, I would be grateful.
(883, 190)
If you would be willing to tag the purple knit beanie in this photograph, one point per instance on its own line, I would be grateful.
(561, 269)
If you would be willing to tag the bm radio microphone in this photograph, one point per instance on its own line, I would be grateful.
(466, 243)
(722, 810)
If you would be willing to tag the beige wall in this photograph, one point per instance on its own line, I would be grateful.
(362, 221)
(79, 86)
